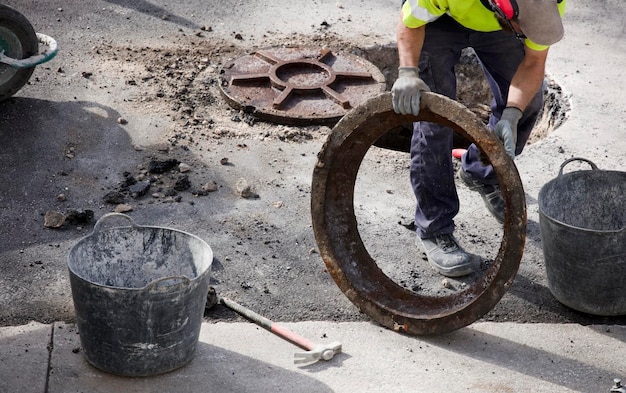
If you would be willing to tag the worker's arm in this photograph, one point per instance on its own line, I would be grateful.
(528, 78)
(410, 42)
(406, 91)
(526, 82)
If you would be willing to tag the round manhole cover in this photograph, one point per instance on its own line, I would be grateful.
(300, 85)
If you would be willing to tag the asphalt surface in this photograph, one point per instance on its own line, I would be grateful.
(239, 357)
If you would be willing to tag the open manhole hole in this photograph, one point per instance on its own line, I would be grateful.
(300, 86)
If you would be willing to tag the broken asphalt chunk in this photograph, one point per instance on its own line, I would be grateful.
(156, 166)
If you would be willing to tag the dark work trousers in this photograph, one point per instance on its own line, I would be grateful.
(432, 173)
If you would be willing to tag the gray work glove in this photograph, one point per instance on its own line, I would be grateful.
(407, 90)
(506, 129)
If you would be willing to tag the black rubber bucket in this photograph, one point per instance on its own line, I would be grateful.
(139, 294)
(582, 216)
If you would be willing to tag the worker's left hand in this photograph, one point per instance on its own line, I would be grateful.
(506, 129)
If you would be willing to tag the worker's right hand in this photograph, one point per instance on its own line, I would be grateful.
(407, 90)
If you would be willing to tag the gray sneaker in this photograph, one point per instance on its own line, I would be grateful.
(446, 257)
(490, 193)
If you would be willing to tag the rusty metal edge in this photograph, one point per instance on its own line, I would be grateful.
(340, 245)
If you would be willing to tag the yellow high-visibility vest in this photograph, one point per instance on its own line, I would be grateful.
(469, 13)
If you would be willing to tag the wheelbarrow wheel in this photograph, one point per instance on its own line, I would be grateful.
(18, 40)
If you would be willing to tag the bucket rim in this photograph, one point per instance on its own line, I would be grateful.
(560, 177)
(185, 282)
(570, 226)
(97, 229)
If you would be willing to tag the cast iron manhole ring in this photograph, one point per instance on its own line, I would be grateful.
(300, 85)
(341, 247)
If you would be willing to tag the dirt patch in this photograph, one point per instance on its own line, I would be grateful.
(183, 83)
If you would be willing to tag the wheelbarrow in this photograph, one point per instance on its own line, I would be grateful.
(20, 51)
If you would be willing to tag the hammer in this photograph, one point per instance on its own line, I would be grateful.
(314, 352)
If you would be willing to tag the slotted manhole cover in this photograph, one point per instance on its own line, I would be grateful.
(300, 85)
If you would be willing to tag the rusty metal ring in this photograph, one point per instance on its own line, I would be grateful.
(348, 262)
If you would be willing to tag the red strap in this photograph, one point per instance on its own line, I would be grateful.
(507, 7)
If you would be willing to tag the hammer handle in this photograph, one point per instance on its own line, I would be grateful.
(267, 324)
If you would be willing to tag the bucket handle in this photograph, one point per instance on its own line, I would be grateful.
(593, 166)
(109, 216)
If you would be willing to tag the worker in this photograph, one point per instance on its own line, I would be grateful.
(511, 39)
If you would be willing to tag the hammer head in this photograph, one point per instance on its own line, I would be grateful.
(320, 352)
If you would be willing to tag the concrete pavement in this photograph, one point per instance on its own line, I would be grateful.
(242, 357)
